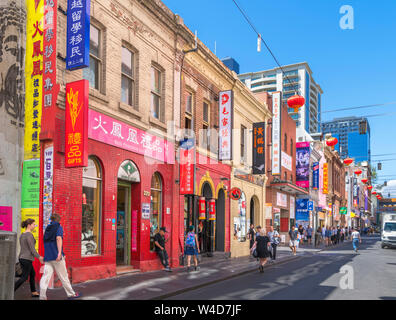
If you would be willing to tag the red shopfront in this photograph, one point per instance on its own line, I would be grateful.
(112, 208)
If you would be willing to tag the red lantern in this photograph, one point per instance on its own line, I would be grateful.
(332, 142)
(202, 208)
(374, 192)
(370, 187)
(348, 161)
(296, 102)
(358, 172)
(364, 181)
(212, 209)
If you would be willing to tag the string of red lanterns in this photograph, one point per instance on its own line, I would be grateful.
(348, 161)
(332, 142)
(296, 102)
(358, 172)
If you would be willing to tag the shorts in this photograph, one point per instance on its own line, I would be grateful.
(309, 237)
(293, 243)
(190, 251)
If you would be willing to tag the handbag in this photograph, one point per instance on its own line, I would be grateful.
(18, 270)
(254, 253)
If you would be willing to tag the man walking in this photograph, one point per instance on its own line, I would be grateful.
(356, 240)
(159, 241)
(54, 259)
(274, 240)
(309, 235)
(293, 243)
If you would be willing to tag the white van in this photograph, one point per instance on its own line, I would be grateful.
(388, 234)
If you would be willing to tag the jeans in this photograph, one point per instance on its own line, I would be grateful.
(163, 255)
(273, 245)
(27, 271)
(355, 243)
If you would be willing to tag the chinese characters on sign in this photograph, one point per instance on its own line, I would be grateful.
(259, 148)
(76, 133)
(286, 161)
(276, 133)
(226, 104)
(302, 164)
(315, 176)
(325, 178)
(187, 154)
(78, 28)
(48, 183)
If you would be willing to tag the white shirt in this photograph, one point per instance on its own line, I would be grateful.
(355, 235)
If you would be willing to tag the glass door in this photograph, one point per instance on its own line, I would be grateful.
(123, 224)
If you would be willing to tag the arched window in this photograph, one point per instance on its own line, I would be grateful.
(91, 208)
(155, 207)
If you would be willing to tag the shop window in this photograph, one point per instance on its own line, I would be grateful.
(91, 208)
(93, 73)
(155, 208)
(240, 220)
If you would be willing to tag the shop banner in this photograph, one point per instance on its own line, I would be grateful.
(48, 185)
(78, 31)
(34, 68)
(134, 230)
(286, 161)
(226, 112)
(121, 135)
(6, 218)
(30, 185)
(212, 209)
(292, 207)
(343, 210)
(281, 199)
(202, 208)
(187, 157)
(276, 133)
(76, 133)
(302, 212)
(325, 178)
(259, 148)
(302, 164)
(315, 176)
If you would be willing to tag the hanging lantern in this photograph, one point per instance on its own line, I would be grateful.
(296, 102)
(212, 209)
(374, 192)
(348, 161)
(369, 187)
(332, 142)
(364, 181)
(202, 208)
(358, 172)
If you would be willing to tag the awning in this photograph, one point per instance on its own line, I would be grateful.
(288, 187)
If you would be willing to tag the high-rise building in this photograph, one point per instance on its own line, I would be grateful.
(353, 134)
(295, 77)
(231, 64)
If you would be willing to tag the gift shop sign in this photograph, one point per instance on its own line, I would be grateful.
(76, 132)
(121, 135)
(187, 154)
(225, 124)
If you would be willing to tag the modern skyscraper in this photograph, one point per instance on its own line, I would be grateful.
(353, 134)
(295, 77)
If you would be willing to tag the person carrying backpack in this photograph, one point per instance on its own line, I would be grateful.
(191, 248)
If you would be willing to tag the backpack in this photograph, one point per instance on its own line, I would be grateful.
(190, 241)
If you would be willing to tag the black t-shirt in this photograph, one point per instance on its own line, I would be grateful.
(251, 232)
(161, 241)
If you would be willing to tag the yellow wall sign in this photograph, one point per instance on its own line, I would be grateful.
(325, 178)
(34, 70)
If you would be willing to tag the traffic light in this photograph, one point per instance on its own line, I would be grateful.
(379, 166)
(363, 127)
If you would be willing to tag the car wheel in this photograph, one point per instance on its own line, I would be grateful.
(383, 246)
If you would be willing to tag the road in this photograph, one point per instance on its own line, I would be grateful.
(370, 274)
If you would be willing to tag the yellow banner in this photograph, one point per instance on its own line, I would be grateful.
(325, 178)
(34, 69)
(35, 215)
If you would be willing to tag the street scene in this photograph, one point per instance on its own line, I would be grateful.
(168, 150)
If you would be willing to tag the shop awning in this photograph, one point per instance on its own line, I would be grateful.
(288, 187)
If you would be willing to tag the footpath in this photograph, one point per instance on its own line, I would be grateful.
(157, 285)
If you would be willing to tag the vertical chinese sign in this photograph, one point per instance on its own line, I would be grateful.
(325, 178)
(226, 104)
(76, 133)
(302, 164)
(34, 65)
(48, 184)
(78, 28)
(187, 159)
(276, 133)
(259, 148)
(315, 176)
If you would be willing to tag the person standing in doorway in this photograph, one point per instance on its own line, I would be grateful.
(274, 237)
(293, 243)
(159, 241)
(251, 236)
(356, 240)
(26, 257)
(191, 248)
(261, 245)
(54, 259)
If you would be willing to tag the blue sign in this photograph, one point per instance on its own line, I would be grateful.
(302, 212)
(310, 205)
(315, 174)
(78, 26)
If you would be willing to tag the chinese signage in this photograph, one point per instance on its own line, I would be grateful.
(315, 176)
(187, 154)
(276, 133)
(325, 178)
(225, 124)
(33, 78)
(212, 209)
(47, 184)
(302, 164)
(292, 207)
(202, 208)
(145, 211)
(78, 28)
(302, 212)
(286, 161)
(281, 199)
(76, 133)
(259, 148)
(121, 135)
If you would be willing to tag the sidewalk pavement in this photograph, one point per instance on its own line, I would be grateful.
(160, 284)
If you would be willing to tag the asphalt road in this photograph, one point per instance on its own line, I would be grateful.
(368, 274)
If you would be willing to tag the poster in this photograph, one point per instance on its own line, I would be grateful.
(259, 148)
(6, 218)
(48, 185)
(145, 210)
(30, 185)
(302, 164)
(292, 207)
(315, 176)
(302, 212)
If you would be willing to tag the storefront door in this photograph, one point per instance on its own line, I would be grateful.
(123, 224)
(207, 226)
(220, 221)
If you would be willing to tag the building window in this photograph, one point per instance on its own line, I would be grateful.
(156, 92)
(93, 73)
(127, 76)
(243, 137)
(155, 208)
(291, 147)
(189, 110)
(91, 208)
(285, 143)
(206, 125)
(285, 176)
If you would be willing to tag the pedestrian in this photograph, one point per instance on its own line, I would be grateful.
(191, 248)
(258, 230)
(309, 235)
(342, 234)
(159, 241)
(261, 245)
(251, 236)
(274, 237)
(324, 235)
(54, 259)
(356, 240)
(27, 255)
(338, 234)
(293, 243)
(318, 235)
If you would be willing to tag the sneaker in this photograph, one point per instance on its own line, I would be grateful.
(168, 269)
(196, 268)
(188, 269)
(77, 295)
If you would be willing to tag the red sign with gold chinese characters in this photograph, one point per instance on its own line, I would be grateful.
(212, 209)
(76, 133)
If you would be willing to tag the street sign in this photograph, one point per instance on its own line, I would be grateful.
(310, 205)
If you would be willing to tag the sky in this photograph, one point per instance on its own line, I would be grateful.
(353, 67)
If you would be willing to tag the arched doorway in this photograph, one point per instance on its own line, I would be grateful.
(254, 211)
(220, 222)
(205, 227)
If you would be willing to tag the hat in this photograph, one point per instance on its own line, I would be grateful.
(163, 229)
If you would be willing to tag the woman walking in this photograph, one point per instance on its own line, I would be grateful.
(261, 245)
(26, 257)
(191, 248)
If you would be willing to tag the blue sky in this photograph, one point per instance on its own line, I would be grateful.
(353, 67)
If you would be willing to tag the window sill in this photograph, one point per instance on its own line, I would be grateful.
(130, 109)
(96, 95)
(157, 123)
